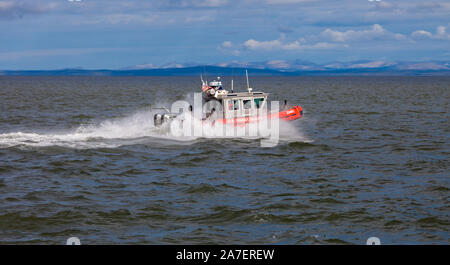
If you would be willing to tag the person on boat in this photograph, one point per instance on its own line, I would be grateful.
(220, 83)
(285, 105)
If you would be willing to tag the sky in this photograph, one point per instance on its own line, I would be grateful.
(111, 34)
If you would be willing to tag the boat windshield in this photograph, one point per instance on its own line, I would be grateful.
(258, 102)
(236, 104)
(247, 104)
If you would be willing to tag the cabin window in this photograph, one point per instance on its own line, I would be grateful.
(236, 104)
(258, 102)
(230, 104)
(247, 104)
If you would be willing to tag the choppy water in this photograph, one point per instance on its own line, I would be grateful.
(79, 157)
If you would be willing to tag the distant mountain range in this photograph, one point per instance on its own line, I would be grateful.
(267, 68)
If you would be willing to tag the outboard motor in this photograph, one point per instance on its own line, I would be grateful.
(166, 118)
(157, 119)
(160, 119)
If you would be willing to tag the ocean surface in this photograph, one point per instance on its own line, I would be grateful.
(79, 156)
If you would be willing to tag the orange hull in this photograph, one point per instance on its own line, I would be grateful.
(291, 114)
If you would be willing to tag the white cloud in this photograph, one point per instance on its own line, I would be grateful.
(278, 64)
(15, 55)
(374, 64)
(421, 34)
(430, 7)
(227, 44)
(211, 3)
(271, 45)
(143, 66)
(288, 46)
(196, 3)
(229, 47)
(426, 66)
(5, 5)
(441, 34)
(18, 9)
(127, 19)
(383, 6)
(236, 52)
(376, 32)
(331, 39)
(277, 2)
(323, 46)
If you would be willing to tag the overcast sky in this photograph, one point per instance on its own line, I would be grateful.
(54, 34)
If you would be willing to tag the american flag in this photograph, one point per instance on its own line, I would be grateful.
(205, 87)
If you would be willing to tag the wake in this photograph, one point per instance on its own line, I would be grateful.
(112, 133)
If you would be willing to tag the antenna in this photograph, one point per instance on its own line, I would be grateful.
(232, 77)
(248, 85)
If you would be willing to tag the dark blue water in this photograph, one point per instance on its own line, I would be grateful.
(79, 156)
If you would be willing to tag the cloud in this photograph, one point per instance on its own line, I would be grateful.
(111, 10)
(373, 64)
(229, 48)
(282, 2)
(210, 3)
(281, 64)
(376, 32)
(15, 55)
(195, 3)
(279, 44)
(324, 45)
(271, 45)
(329, 39)
(384, 6)
(142, 66)
(126, 19)
(20, 8)
(236, 52)
(227, 44)
(441, 34)
(430, 7)
(426, 66)
(418, 34)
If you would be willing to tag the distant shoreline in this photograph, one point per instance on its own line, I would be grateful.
(226, 71)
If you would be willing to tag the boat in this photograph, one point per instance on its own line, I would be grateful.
(237, 109)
